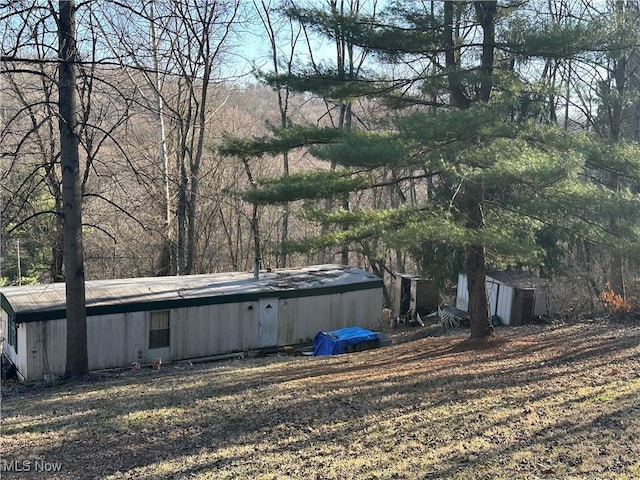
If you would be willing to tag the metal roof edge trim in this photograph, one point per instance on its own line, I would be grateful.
(193, 302)
(6, 306)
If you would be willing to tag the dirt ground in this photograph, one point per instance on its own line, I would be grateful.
(557, 401)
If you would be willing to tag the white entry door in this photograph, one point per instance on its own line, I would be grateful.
(268, 322)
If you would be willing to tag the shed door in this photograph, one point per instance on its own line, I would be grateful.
(522, 309)
(268, 322)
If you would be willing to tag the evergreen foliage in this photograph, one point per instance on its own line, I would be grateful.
(476, 132)
(311, 186)
(285, 139)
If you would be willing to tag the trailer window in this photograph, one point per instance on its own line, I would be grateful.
(159, 330)
(12, 334)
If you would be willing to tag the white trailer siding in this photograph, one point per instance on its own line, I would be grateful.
(114, 340)
(462, 293)
(500, 297)
(313, 314)
(301, 318)
(213, 329)
(42, 348)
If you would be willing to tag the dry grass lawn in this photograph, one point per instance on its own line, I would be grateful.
(551, 402)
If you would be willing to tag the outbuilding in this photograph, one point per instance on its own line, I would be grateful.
(186, 317)
(515, 297)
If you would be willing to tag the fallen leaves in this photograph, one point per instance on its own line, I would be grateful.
(537, 402)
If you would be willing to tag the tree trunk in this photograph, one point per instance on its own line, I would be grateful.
(194, 166)
(486, 12)
(282, 261)
(181, 215)
(344, 250)
(255, 224)
(452, 59)
(77, 357)
(475, 269)
(616, 275)
(166, 264)
(57, 252)
(191, 224)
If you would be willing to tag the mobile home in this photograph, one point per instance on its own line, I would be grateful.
(177, 318)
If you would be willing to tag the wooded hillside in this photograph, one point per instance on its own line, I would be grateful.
(424, 137)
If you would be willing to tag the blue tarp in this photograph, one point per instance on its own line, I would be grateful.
(335, 342)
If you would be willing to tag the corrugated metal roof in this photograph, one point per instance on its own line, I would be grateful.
(523, 280)
(44, 302)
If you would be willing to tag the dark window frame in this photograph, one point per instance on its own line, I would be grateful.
(12, 334)
(159, 329)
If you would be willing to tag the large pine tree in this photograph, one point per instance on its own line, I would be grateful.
(473, 136)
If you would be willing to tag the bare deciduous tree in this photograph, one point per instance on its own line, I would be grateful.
(175, 57)
(77, 357)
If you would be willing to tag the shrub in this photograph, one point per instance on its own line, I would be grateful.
(614, 302)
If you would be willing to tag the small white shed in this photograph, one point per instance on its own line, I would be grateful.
(187, 317)
(516, 297)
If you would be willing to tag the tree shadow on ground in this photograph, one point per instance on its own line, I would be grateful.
(243, 417)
